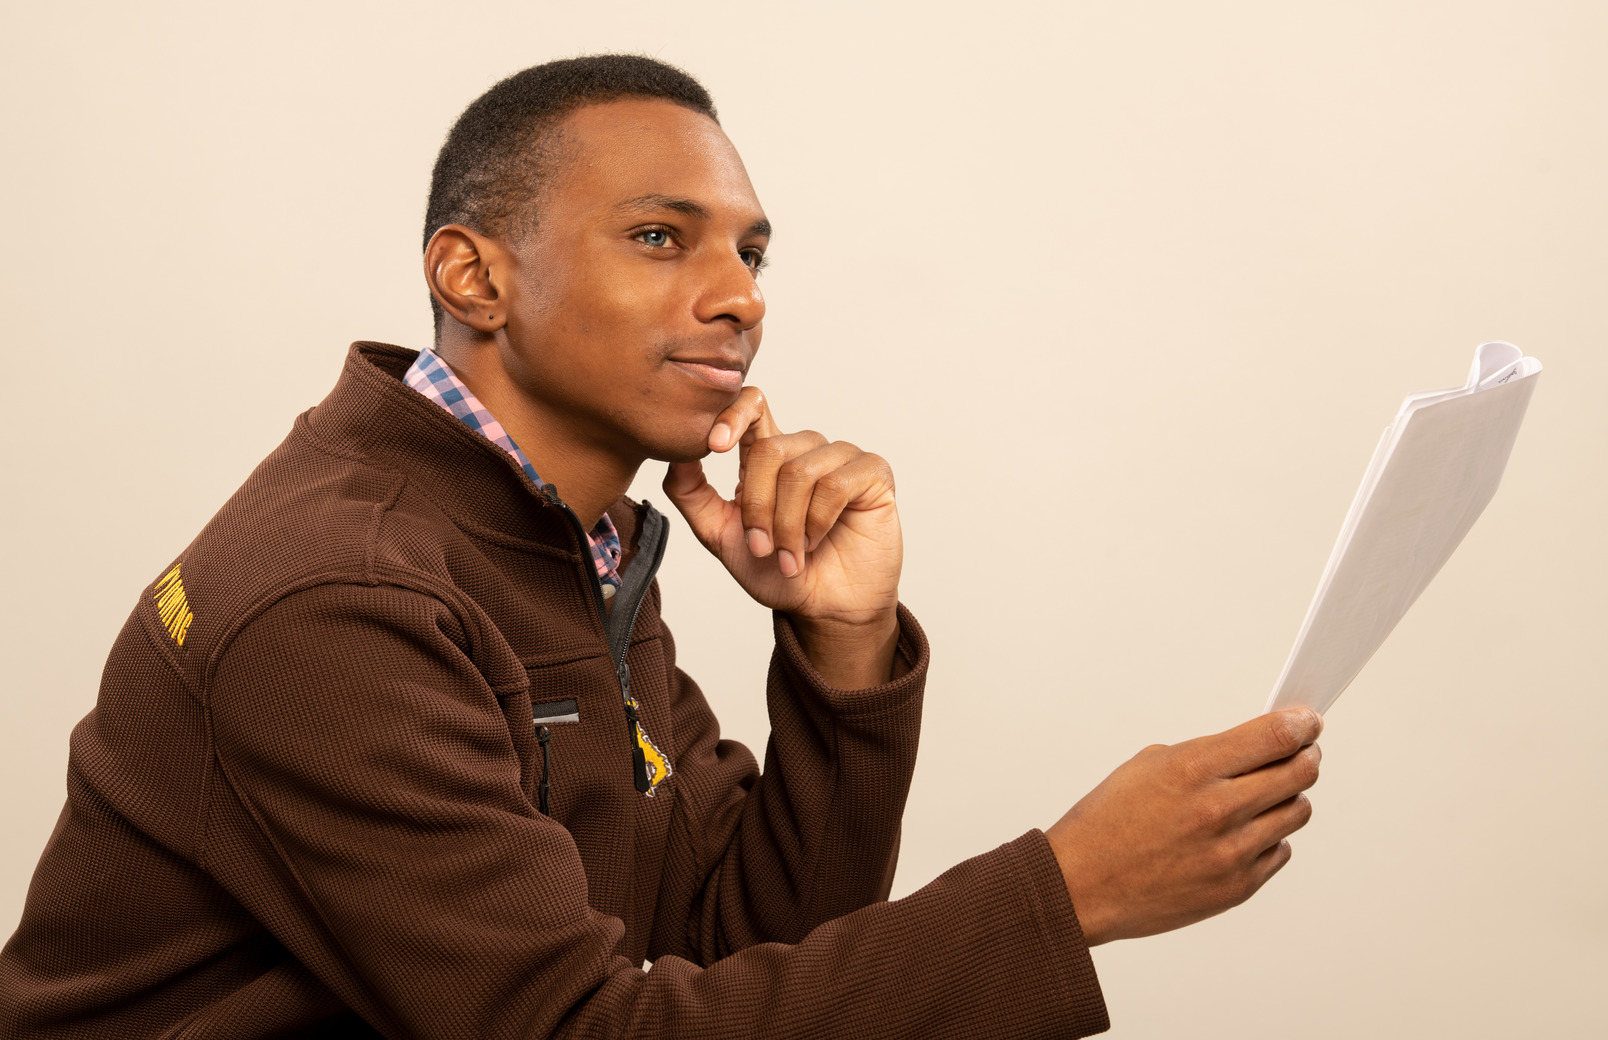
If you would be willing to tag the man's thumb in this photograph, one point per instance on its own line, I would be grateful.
(696, 498)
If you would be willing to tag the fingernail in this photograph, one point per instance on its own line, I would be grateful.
(788, 564)
(720, 436)
(759, 542)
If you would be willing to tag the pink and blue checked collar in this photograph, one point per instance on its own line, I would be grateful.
(430, 376)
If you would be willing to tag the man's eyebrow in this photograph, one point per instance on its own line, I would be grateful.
(687, 206)
(642, 202)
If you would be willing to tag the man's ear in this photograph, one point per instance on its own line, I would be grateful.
(466, 270)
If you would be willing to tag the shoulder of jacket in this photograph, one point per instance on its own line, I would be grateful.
(302, 520)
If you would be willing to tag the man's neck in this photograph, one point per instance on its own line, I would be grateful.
(587, 475)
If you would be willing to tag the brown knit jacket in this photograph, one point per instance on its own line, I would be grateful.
(306, 802)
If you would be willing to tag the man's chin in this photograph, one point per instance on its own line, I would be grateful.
(690, 446)
(685, 454)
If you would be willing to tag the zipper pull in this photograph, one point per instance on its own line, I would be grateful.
(639, 761)
(543, 735)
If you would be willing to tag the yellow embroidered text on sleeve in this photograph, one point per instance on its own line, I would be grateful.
(172, 606)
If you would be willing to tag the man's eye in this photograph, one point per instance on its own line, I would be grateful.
(657, 237)
(754, 259)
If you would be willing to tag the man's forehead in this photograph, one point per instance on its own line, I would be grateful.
(639, 154)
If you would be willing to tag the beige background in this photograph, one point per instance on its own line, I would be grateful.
(1124, 291)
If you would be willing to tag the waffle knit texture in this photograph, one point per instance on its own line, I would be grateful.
(304, 804)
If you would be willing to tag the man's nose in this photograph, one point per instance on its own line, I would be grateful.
(730, 292)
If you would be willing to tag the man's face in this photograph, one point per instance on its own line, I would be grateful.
(635, 314)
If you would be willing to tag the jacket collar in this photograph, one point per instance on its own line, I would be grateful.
(372, 414)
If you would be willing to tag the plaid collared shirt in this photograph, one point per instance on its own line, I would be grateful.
(431, 377)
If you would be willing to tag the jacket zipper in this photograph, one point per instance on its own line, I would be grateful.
(639, 581)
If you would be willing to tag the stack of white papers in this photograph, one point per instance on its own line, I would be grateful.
(1435, 469)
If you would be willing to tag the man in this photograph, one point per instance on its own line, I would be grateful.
(398, 745)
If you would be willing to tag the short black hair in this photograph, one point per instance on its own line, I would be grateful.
(498, 154)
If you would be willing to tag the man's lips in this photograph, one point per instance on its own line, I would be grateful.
(716, 372)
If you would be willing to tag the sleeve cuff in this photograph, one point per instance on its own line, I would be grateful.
(1062, 935)
(909, 666)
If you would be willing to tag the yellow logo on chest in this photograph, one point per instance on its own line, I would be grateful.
(658, 765)
(171, 605)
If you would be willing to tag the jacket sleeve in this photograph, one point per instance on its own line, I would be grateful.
(374, 818)
(768, 857)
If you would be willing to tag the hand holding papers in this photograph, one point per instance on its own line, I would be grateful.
(1435, 469)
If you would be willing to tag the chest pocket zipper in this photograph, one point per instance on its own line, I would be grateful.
(544, 789)
(566, 710)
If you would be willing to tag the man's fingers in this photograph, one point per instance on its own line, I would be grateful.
(762, 463)
(792, 487)
(817, 473)
(1271, 861)
(1262, 789)
(1273, 826)
(749, 416)
(1251, 745)
(835, 492)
